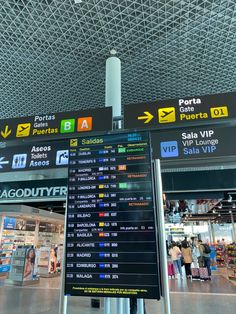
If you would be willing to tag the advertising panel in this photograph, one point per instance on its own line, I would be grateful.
(9, 223)
(29, 264)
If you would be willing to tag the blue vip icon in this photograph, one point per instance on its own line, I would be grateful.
(19, 161)
(169, 149)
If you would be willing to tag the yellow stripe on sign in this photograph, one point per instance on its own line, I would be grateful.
(101, 186)
(219, 112)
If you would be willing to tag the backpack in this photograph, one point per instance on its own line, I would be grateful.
(207, 249)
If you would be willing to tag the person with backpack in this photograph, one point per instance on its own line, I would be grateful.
(205, 252)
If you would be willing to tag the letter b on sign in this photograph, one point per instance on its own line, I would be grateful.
(67, 126)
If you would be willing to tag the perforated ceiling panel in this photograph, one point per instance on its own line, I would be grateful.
(53, 52)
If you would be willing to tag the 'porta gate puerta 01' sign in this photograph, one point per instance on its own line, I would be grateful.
(195, 110)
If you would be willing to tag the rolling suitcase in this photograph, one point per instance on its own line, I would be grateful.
(203, 271)
(171, 270)
(195, 273)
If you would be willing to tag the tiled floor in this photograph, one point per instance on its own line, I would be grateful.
(217, 296)
(218, 284)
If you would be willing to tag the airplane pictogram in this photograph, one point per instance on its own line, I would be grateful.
(23, 129)
(166, 115)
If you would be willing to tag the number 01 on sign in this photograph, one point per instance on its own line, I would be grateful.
(219, 112)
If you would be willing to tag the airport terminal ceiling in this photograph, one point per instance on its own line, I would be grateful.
(53, 52)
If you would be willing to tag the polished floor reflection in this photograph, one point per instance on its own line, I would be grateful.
(217, 296)
(218, 284)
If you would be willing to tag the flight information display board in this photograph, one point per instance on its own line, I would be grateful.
(111, 232)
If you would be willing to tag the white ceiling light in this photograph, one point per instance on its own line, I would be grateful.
(78, 1)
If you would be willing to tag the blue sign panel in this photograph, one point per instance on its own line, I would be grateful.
(5, 268)
(9, 223)
(169, 149)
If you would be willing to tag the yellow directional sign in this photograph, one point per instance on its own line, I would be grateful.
(148, 117)
(219, 112)
(73, 142)
(6, 132)
(23, 129)
(166, 115)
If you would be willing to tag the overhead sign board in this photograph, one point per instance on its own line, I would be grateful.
(197, 142)
(111, 234)
(56, 124)
(42, 155)
(180, 111)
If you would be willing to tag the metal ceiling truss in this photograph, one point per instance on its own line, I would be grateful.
(53, 52)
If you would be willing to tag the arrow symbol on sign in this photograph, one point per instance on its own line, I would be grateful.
(3, 162)
(6, 132)
(148, 117)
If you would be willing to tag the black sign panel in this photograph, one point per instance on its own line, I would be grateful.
(47, 227)
(33, 157)
(195, 110)
(56, 125)
(111, 237)
(26, 225)
(198, 142)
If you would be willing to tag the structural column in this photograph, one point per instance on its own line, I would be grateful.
(233, 226)
(36, 234)
(113, 98)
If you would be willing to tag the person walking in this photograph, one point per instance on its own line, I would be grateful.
(187, 255)
(206, 251)
(175, 254)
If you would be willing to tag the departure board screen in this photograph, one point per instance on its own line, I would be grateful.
(111, 231)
